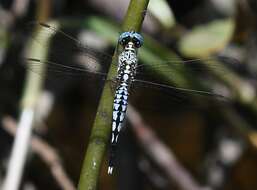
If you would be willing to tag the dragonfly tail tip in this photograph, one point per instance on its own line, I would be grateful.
(110, 169)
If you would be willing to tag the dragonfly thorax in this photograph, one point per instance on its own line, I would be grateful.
(130, 46)
(127, 64)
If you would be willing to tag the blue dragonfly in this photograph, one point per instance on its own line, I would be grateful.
(131, 75)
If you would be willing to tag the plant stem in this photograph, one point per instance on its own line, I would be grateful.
(32, 89)
(102, 126)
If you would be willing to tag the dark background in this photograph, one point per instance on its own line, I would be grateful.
(214, 141)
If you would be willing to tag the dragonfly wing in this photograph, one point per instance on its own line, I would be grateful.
(167, 88)
(63, 44)
(190, 79)
(35, 65)
(200, 67)
(66, 56)
(161, 95)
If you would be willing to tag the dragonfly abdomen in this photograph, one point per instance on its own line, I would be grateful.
(119, 112)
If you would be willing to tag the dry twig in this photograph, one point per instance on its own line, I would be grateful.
(47, 153)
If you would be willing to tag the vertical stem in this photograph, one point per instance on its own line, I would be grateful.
(102, 126)
(135, 15)
(32, 90)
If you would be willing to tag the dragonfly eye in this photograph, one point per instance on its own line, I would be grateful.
(137, 40)
(124, 38)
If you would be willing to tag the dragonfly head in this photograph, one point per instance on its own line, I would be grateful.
(133, 37)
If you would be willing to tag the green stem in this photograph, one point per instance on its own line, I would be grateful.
(102, 126)
(135, 15)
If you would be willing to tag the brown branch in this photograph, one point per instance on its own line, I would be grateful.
(47, 153)
(160, 153)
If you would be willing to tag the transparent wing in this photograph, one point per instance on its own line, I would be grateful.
(63, 59)
(183, 79)
(161, 97)
(59, 69)
(170, 88)
(220, 64)
(65, 54)
(63, 42)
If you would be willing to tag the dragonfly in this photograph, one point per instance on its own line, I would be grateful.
(127, 71)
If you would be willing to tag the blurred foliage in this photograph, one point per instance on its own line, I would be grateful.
(162, 12)
(3, 38)
(206, 40)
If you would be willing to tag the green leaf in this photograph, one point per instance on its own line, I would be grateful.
(207, 39)
(161, 10)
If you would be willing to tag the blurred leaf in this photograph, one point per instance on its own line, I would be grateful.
(4, 40)
(3, 37)
(105, 28)
(253, 138)
(207, 39)
(161, 10)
